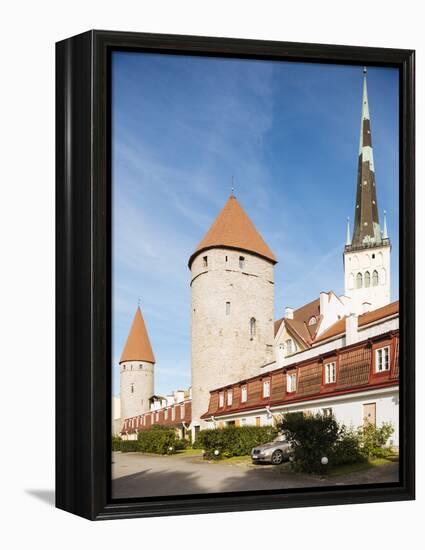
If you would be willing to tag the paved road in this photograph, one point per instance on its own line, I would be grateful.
(138, 475)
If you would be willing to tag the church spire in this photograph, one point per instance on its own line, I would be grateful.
(366, 231)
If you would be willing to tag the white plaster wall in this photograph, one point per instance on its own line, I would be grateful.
(360, 261)
(141, 374)
(348, 410)
(222, 348)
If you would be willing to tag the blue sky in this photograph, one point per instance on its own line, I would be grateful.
(287, 132)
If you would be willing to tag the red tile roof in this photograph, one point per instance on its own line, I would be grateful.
(138, 346)
(233, 229)
(338, 328)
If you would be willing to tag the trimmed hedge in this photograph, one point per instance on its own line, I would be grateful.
(116, 443)
(129, 446)
(158, 439)
(232, 440)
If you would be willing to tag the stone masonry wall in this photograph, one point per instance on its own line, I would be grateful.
(141, 374)
(223, 349)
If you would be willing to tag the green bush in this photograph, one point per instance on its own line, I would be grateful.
(159, 440)
(130, 446)
(347, 449)
(312, 438)
(232, 440)
(373, 440)
(116, 443)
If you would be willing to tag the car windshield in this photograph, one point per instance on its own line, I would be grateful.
(279, 439)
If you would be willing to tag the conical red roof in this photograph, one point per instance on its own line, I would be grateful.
(138, 346)
(233, 229)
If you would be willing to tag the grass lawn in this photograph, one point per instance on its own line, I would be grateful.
(360, 466)
(188, 452)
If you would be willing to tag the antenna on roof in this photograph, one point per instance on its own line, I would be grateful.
(233, 185)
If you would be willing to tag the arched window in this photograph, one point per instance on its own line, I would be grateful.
(375, 278)
(359, 280)
(312, 321)
(351, 281)
(252, 326)
(288, 347)
(367, 279)
(383, 276)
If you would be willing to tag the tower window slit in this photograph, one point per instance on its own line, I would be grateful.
(227, 308)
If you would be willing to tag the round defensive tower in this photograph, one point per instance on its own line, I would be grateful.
(136, 370)
(232, 287)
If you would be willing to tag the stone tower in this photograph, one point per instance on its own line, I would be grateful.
(367, 255)
(136, 370)
(232, 284)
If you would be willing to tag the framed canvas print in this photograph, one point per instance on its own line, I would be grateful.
(235, 275)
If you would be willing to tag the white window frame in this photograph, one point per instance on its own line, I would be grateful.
(229, 398)
(382, 359)
(291, 382)
(244, 394)
(166, 414)
(221, 399)
(289, 346)
(266, 388)
(173, 413)
(330, 372)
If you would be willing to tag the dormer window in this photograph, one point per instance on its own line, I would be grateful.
(266, 388)
(229, 398)
(291, 382)
(288, 347)
(312, 321)
(382, 359)
(205, 261)
(242, 262)
(244, 394)
(221, 399)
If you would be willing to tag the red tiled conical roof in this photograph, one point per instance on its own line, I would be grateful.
(233, 229)
(138, 346)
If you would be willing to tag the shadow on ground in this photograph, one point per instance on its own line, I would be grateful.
(45, 495)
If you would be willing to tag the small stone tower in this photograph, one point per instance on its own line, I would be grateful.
(232, 284)
(136, 370)
(367, 256)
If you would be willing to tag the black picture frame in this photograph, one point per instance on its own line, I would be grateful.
(83, 252)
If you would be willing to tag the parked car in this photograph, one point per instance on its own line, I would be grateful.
(274, 452)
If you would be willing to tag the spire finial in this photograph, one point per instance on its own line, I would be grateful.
(364, 70)
(385, 231)
(348, 240)
(233, 186)
(138, 302)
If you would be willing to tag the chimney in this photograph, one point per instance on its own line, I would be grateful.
(351, 329)
(324, 299)
(289, 312)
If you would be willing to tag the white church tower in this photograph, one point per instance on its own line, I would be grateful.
(136, 370)
(232, 286)
(367, 255)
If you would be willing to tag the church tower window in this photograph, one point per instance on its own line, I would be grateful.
(205, 261)
(367, 279)
(359, 280)
(242, 262)
(375, 278)
(132, 388)
(227, 308)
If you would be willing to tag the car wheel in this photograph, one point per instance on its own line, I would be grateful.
(277, 457)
